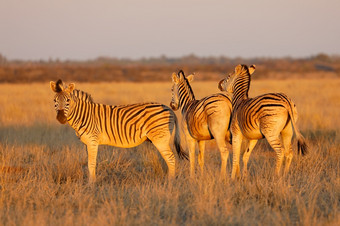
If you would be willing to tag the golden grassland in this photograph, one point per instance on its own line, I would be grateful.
(43, 166)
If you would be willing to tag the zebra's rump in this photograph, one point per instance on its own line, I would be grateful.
(203, 112)
(269, 110)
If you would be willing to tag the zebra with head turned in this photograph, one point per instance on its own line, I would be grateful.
(121, 126)
(271, 116)
(203, 119)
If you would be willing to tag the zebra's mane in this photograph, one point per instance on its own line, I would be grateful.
(83, 96)
(187, 84)
(243, 78)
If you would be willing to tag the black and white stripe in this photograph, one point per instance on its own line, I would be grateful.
(204, 119)
(121, 126)
(271, 116)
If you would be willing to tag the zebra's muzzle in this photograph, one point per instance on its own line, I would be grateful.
(61, 117)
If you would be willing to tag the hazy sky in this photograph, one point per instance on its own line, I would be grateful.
(86, 29)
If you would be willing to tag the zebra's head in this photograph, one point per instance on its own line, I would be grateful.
(62, 99)
(241, 71)
(179, 82)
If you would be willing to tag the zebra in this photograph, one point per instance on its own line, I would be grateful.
(272, 116)
(121, 126)
(204, 119)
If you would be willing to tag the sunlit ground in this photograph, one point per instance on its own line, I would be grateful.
(43, 166)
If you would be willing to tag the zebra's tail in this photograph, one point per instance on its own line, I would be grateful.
(302, 145)
(177, 141)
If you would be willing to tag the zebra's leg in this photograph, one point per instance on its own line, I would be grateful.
(164, 149)
(236, 146)
(219, 130)
(275, 143)
(251, 145)
(222, 146)
(201, 146)
(169, 158)
(191, 145)
(287, 135)
(92, 150)
(160, 138)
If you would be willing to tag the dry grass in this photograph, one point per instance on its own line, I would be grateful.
(43, 166)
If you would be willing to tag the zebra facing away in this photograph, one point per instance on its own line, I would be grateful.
(121, 126)
(271, 115)
(202, 120)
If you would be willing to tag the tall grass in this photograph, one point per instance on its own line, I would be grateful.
(43, 166)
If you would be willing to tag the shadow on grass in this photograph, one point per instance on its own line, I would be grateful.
(49, 135)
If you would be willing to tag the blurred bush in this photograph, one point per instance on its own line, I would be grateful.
(104, 69)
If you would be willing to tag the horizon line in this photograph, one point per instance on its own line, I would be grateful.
(163, 56)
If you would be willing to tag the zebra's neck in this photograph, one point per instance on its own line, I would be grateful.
(79, 109)
(241, 88)
(186, 96)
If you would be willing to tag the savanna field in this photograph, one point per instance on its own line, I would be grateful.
(43, 165)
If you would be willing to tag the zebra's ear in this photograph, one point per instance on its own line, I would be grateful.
(190, 78)
(220, 85)
(70, 87)
(53, 86)
(251, 69)
(238, 69)
(175, 79)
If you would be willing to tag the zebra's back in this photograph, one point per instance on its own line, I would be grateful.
(130, 125)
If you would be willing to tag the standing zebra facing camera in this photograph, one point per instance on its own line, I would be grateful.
(272, 116)
(121, 126)
(204, 119)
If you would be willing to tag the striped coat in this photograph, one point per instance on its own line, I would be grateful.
(204, 119)
(121, 126)
(272, 116)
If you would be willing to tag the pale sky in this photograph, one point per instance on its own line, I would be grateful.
(86, 29)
